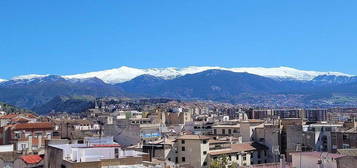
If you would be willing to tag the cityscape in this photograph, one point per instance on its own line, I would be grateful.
(178, 84)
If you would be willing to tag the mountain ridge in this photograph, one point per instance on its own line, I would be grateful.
(217, 85)
(29, 93)
(124, 73)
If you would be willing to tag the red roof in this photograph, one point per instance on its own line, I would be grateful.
(39, 125)
(19, 119)
(31, 159)
(9, 116)
(31, 115)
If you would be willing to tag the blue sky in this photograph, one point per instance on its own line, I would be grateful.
(68, 37)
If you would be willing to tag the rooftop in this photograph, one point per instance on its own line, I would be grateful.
(319, 154)
(193, 137)
(235, 148)
(94, 153)
(31, 159)
(9, 116)
(348, 152)
(226, 126)
(39, 125)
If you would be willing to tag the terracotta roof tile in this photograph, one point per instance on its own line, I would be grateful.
(9, 116)
(39, 125)
(30, 115)
(31, 159)
(19, 119)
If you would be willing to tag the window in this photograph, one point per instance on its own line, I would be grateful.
(176, 159)
(17, 135)
(182, 141)
(183, 148)
(345, 146)
(215, 131)
(169, 159)
(183, 159)
(345, 136)
(116, 152)
(244, 156)
(223, 131)
(23, 146)
(38, 134)
(204, 141)
(204, 163)
(229, 131)
(205, 152)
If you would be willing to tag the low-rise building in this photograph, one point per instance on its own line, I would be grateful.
(243, 154)
(91, 156)
(226, 130)
(322, 159)
(29, 137)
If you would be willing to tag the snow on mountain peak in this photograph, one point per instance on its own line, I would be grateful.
(30, 76)
(124, 73)
(2, 80)
(286, 73)
(117, 75)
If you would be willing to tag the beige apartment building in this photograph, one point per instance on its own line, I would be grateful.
(191, 150)
(226, 130)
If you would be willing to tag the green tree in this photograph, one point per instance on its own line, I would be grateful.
(220, 162)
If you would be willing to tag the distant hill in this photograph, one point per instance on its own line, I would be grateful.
(29, 93)
(50, 92)
(245, 88)
(12, 109)
(70, 104)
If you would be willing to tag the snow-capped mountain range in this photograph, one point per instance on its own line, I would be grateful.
(124, 73)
